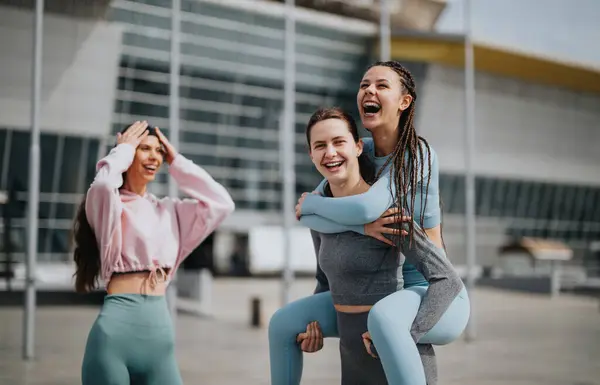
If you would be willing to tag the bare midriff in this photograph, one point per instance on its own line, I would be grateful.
(143, 282)
(353, 308)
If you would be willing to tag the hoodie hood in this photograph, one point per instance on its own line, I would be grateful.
(128, 196)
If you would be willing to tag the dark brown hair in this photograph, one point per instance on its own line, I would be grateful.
(86, 253)
(367, 168)
(408, 157)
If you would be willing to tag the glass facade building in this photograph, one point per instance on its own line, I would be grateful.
(231, 94)
(231, 104)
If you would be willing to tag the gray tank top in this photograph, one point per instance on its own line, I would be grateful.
(357, 269)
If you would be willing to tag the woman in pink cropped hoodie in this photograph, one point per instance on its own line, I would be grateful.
(133, 243)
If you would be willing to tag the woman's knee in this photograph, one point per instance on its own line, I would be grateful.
(452, 323)
(284, 324)
(292, 319)
(397, 310)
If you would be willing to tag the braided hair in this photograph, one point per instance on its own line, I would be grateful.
(408, 166)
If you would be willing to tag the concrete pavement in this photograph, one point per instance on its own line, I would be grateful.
(522, 339)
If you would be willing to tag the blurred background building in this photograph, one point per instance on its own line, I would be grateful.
(106, 63)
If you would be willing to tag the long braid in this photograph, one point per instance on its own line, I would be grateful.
(409, 150)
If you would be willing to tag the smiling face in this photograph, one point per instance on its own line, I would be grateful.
(148, 158)
(381, 98)
(334, 151)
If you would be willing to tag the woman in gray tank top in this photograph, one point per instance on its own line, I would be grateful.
(359, 270)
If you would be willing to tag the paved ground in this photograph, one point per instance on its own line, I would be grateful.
(522, 340)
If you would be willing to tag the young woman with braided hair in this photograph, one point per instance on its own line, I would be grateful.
(404, 325)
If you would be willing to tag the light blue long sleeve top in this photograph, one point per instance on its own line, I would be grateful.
(351, 213)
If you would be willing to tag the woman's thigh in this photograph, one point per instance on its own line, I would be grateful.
(293, 318)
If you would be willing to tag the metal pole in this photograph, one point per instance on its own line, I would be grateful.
(175, 61)
(287, 148)
(34, 186)
(469, 161)
(384, 31)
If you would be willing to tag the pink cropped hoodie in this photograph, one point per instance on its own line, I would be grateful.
(144, 233)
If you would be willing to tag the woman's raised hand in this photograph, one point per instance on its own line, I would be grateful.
(134, 134)
(171, 153)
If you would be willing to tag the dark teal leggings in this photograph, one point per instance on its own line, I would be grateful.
(131, 343)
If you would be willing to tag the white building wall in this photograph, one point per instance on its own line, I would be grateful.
(564, 30)
(79, 75)
(523, 131)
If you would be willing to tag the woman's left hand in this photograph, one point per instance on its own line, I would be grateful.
(378, 228)
(368, 342)
(171, 153)
(299, 205)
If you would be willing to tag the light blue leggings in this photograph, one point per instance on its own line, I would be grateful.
(389, 323)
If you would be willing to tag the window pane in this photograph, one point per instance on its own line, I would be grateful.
(18, 173)
(90, 165)
(69, 171)
(523, 199)
(2, 153)
(459, 199)
(66, 210)
(48, 144)
(510, 202)
(499, 196)
(547, 197)
(59, 240)
(533, 207)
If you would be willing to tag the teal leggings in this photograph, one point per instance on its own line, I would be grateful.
(131, 343)
(389, 323)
